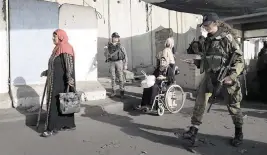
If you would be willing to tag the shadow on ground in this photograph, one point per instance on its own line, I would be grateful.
(207, 144)
(28, 107)
(130, 100)
(254, 113)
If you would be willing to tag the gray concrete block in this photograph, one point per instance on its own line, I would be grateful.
(93, 90)
(5, 101)
(89, 108)
(28, 96)
(189, 76)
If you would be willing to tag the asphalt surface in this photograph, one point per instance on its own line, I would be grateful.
(134, 133)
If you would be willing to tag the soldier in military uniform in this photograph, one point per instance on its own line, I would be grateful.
(117, 58)
(220, 45)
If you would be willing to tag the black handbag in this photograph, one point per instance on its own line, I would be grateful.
(70, 102)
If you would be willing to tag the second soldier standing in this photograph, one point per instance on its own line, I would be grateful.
(117, 58)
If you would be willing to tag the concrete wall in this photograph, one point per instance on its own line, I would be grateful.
(137, 22)
(31, 29)
(80, 23)
(32, 24)
(5, 101)
(33, 21)
(4, 67)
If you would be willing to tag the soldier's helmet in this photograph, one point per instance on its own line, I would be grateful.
(115, 35)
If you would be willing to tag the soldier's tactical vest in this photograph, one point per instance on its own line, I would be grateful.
(115, 52)
(216, 54)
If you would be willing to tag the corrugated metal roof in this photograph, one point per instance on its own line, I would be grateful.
(224, 8)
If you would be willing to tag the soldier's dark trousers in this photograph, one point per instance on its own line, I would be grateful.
(232, 98)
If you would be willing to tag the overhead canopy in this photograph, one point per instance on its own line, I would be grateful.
(224, 8)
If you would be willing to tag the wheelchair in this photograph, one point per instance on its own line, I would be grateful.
(170, 97)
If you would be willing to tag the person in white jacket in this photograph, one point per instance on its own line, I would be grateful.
(167, 52)
(169, 55)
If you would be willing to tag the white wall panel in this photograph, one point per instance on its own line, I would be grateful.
(141, 39)
(80, 23)
(31, 26)
(120, 20)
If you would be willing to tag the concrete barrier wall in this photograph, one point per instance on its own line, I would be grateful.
(137, 22)
(4, 69)
(82, 33)
(5, 101)
(32, 24)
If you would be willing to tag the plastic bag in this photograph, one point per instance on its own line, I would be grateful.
(148, 82)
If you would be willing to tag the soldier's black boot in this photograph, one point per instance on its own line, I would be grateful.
(122, 94)
(238, 139)
(191, 134)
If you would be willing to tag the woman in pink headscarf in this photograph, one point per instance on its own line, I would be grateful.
(60, 75)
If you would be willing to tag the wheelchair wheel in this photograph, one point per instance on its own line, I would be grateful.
(174, 98)
(161, 110)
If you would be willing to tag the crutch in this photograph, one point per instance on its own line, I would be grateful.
(42, 103)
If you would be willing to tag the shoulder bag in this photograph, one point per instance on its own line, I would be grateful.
(70, 102)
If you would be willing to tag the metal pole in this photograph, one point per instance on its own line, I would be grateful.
(7, 18)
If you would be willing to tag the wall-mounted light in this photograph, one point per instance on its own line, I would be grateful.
(119, 2)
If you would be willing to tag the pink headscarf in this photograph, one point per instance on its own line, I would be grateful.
(63, 45)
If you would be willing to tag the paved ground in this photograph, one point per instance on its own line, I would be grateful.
(132, 133)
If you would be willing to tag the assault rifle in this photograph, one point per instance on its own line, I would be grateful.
(222, 74)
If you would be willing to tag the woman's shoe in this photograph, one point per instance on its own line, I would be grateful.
(49, 133)
(141, 107)
(68, 128)
(145, 109)
(46, 134)
(137, 107)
